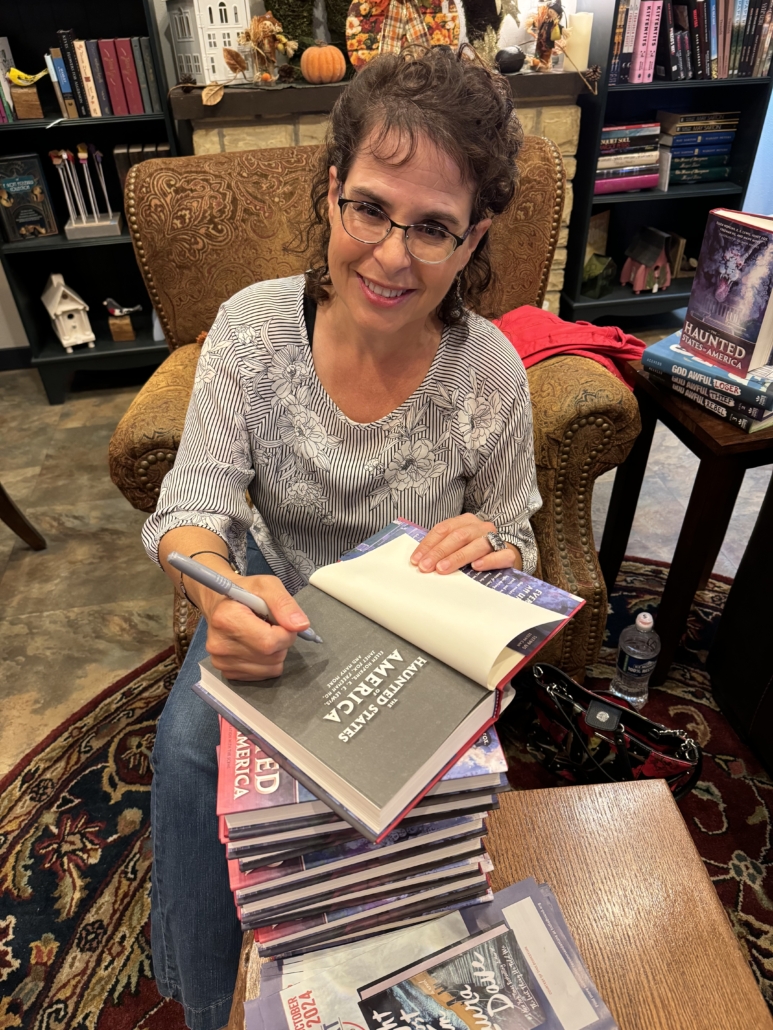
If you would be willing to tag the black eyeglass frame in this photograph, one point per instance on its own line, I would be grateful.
(458, 240)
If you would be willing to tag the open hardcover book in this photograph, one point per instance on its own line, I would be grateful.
(412, 670)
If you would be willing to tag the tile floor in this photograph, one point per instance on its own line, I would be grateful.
(91, 607)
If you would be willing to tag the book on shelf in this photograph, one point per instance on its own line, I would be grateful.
(57, 88)
(150, 72)
(666, 61)
(729, 319)
(652, 41)
(125, 54)
(67, 47)
(98, 74)
(706, 150)
(696, 162)
(624, 185)
(627, 132)
(696, 139)
(711, 11)
(113, 77)
(699, 174)
(87, 78)
(515, 951)
(412, 670)
(65, 87)
(6, 63)
(624, 16)
(699, 128)
(644, 25)
(669, 356)
(695, 9)
(602, 174)
(650, 156)
(26, 211)
(754, 412)
(668, 120)
(142, 77)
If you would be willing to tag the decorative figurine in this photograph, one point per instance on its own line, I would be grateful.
(121, 327)
(550, 36)
(68, 313)
(264, 38)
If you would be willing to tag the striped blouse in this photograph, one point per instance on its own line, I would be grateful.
(260, 424)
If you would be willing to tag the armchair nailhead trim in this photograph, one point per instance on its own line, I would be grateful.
(130, 200)
(582, 511)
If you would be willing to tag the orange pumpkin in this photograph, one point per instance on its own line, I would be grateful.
(323, 63)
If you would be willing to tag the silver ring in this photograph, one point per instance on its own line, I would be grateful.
(496, 541)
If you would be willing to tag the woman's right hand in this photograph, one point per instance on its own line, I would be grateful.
(244, 646)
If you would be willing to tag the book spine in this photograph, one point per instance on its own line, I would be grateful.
(765, 70)
(142, 78)
(700, 128)
(763, 42)
(622, 160)
(73, 71)
(696, 40)
(150, 71)
(720, 4)
(649, 66)
(113, 78)
(739, 23)
(98, 73)
(703, 21)
(87, 78)
(717, 378)
(620, 185)
(726, 414)
(6, 63)
(664, 169)
(64, 82)
(680, 62)
(713, 39)
(629, 39)
(639, 56)
(694, 139)
(719, 161)
(624, 172)
(699, 174)
(666, 64)
(755, 43)
(121, 158)
(757, 414)
(57, 88)
(749, 55)
(705, 151)
(620, 23)
(131, 85)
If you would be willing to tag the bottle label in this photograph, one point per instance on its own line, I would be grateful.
(630, 666)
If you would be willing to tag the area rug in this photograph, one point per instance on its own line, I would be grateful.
(730, 811)
(75, 846)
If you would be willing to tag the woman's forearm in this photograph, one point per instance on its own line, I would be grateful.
(189, 540)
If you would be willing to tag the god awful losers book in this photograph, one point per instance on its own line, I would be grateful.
(412, 670)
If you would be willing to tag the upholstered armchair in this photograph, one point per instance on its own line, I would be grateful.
(205, 227)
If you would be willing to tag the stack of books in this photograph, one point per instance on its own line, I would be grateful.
(93, 78)
(511, 963)
(300, 874)
(696, 147)
(628, 158)
(354, 788)
(722, 360)
(700, 39)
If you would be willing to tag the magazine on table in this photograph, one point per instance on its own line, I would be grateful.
(412, 670)
(514, 953)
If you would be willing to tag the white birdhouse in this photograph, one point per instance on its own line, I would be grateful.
(68, 313)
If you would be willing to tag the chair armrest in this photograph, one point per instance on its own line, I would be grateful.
(144, 444)
(585, 423)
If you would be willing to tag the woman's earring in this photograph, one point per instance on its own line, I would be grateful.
(457, 302)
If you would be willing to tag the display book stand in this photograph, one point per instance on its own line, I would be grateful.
(682, 210)
(112, 270)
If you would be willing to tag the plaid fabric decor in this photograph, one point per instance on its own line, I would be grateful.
(387, 26)
(403, 21)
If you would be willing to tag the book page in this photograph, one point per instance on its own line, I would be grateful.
(463, 623)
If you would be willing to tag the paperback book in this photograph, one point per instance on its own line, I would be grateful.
(729, 316)
(412, 671)
(680, 384)
(509, 963)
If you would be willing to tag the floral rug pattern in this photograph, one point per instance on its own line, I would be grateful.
(75, 838)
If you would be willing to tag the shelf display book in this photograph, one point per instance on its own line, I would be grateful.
(701, 175)
(89, 44)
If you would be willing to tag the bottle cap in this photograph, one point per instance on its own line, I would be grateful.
(644, 622)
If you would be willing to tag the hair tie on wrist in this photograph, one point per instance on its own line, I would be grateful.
(226, 557)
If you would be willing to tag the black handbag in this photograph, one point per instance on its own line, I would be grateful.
(586, 737)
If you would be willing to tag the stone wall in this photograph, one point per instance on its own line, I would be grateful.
(561, 123)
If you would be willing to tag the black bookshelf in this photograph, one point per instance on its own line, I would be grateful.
(682, 209)
(94, 268)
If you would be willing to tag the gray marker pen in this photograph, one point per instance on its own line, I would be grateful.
(222, 585)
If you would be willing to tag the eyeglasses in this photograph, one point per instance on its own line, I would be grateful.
(367, 223)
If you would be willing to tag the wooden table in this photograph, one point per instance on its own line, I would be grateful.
(725, 453)
(637, 898)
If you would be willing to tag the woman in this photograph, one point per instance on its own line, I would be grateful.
(339, 400)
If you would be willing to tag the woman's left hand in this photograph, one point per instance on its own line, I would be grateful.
(461, 541)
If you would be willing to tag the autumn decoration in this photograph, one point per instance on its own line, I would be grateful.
(323, 63)
(261, 41)
(549, 34)
(388, 26)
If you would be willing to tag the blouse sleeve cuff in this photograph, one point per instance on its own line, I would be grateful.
(522, 537)
(232, 535)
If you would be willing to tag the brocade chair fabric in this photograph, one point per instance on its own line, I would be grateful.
(205, 227)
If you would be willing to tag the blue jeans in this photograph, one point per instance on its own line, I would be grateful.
(194, 930)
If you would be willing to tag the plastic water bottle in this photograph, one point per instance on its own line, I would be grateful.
(636, 657)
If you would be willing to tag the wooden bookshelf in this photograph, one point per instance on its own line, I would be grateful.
(683, 208)
(94, 268)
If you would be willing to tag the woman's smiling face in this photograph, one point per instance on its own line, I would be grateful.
(426, 188)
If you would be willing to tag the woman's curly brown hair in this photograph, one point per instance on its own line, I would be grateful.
(456, 103)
